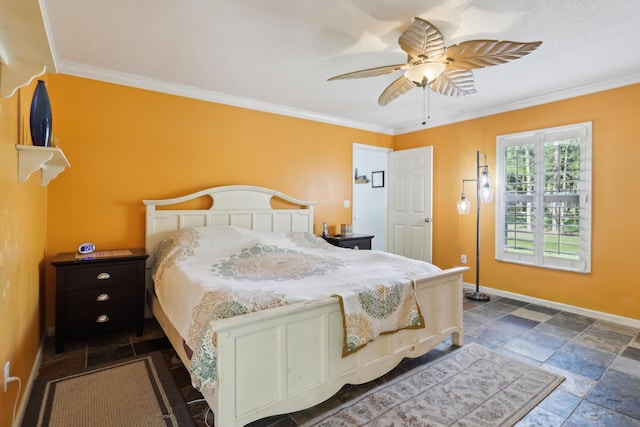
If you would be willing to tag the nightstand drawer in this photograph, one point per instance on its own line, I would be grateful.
(90, 322)
(101, 275)
(352, 241)
(101, 298)
(356, 244)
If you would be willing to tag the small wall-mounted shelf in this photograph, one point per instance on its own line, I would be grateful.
(25, 51)
(361, 181)
(31, 158)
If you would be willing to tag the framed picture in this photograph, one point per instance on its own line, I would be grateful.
(377, 179)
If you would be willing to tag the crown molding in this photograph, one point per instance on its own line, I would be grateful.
(131, 80)
(612, 83)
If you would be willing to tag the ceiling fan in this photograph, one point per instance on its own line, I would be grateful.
(446, 70)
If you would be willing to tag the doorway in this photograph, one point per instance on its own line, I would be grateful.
(369, 203)
(398, 213)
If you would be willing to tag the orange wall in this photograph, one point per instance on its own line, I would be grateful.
(22, 247)
(127, 144)
(610, 287)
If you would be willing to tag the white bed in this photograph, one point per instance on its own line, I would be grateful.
(289, 358)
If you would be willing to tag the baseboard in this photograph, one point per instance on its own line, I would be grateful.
(634, 323)
(29, 386)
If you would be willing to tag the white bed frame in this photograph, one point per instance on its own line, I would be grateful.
(289, 358)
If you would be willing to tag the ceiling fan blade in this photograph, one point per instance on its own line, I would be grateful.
(484, 53)
(454, 83)
(371, 72)
(422, 40)
(400, 86)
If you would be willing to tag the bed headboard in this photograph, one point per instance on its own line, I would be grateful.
(240, 205)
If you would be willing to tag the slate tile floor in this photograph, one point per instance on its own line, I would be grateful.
(600, 361)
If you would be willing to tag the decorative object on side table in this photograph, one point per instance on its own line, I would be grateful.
(484, 194)
(40, 117)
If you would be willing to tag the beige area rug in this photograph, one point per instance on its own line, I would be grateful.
(134, 392)
(471, 386)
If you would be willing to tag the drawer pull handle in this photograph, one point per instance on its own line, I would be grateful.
(102, 297)
(102, 319)
(103, 276)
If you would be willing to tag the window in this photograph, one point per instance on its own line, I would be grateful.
(543, 211)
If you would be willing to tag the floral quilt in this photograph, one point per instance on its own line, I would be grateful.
(227, 271)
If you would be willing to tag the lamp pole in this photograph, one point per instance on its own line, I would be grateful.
(477, 295)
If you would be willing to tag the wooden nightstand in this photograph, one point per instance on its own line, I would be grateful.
(100, 293)
(352, 241)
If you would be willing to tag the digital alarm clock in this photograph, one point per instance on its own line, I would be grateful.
(86, 248)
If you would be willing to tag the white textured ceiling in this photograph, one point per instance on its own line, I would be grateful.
(276, 55)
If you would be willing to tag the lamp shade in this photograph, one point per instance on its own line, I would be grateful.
(464, 207)
(424, 74)
(486, 193)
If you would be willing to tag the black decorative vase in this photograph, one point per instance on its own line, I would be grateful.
(40, 117)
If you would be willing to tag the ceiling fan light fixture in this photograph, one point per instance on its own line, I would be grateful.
(445, 70)
(426, 73)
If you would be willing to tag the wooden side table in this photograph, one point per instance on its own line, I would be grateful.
(99, 293)
(352, 241)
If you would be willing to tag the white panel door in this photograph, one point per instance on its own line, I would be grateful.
(410, 202)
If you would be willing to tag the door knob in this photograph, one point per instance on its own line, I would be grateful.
(427, 220)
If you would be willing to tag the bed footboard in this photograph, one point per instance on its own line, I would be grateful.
(289, 358)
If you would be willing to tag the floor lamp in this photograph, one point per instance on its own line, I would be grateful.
(484, 194)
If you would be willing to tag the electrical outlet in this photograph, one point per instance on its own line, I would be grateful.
(7, 370)
(463, 259)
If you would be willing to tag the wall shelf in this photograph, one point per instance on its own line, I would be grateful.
(31, 158)
(25, 51)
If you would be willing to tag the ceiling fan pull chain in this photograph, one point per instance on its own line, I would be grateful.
(426, 113)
